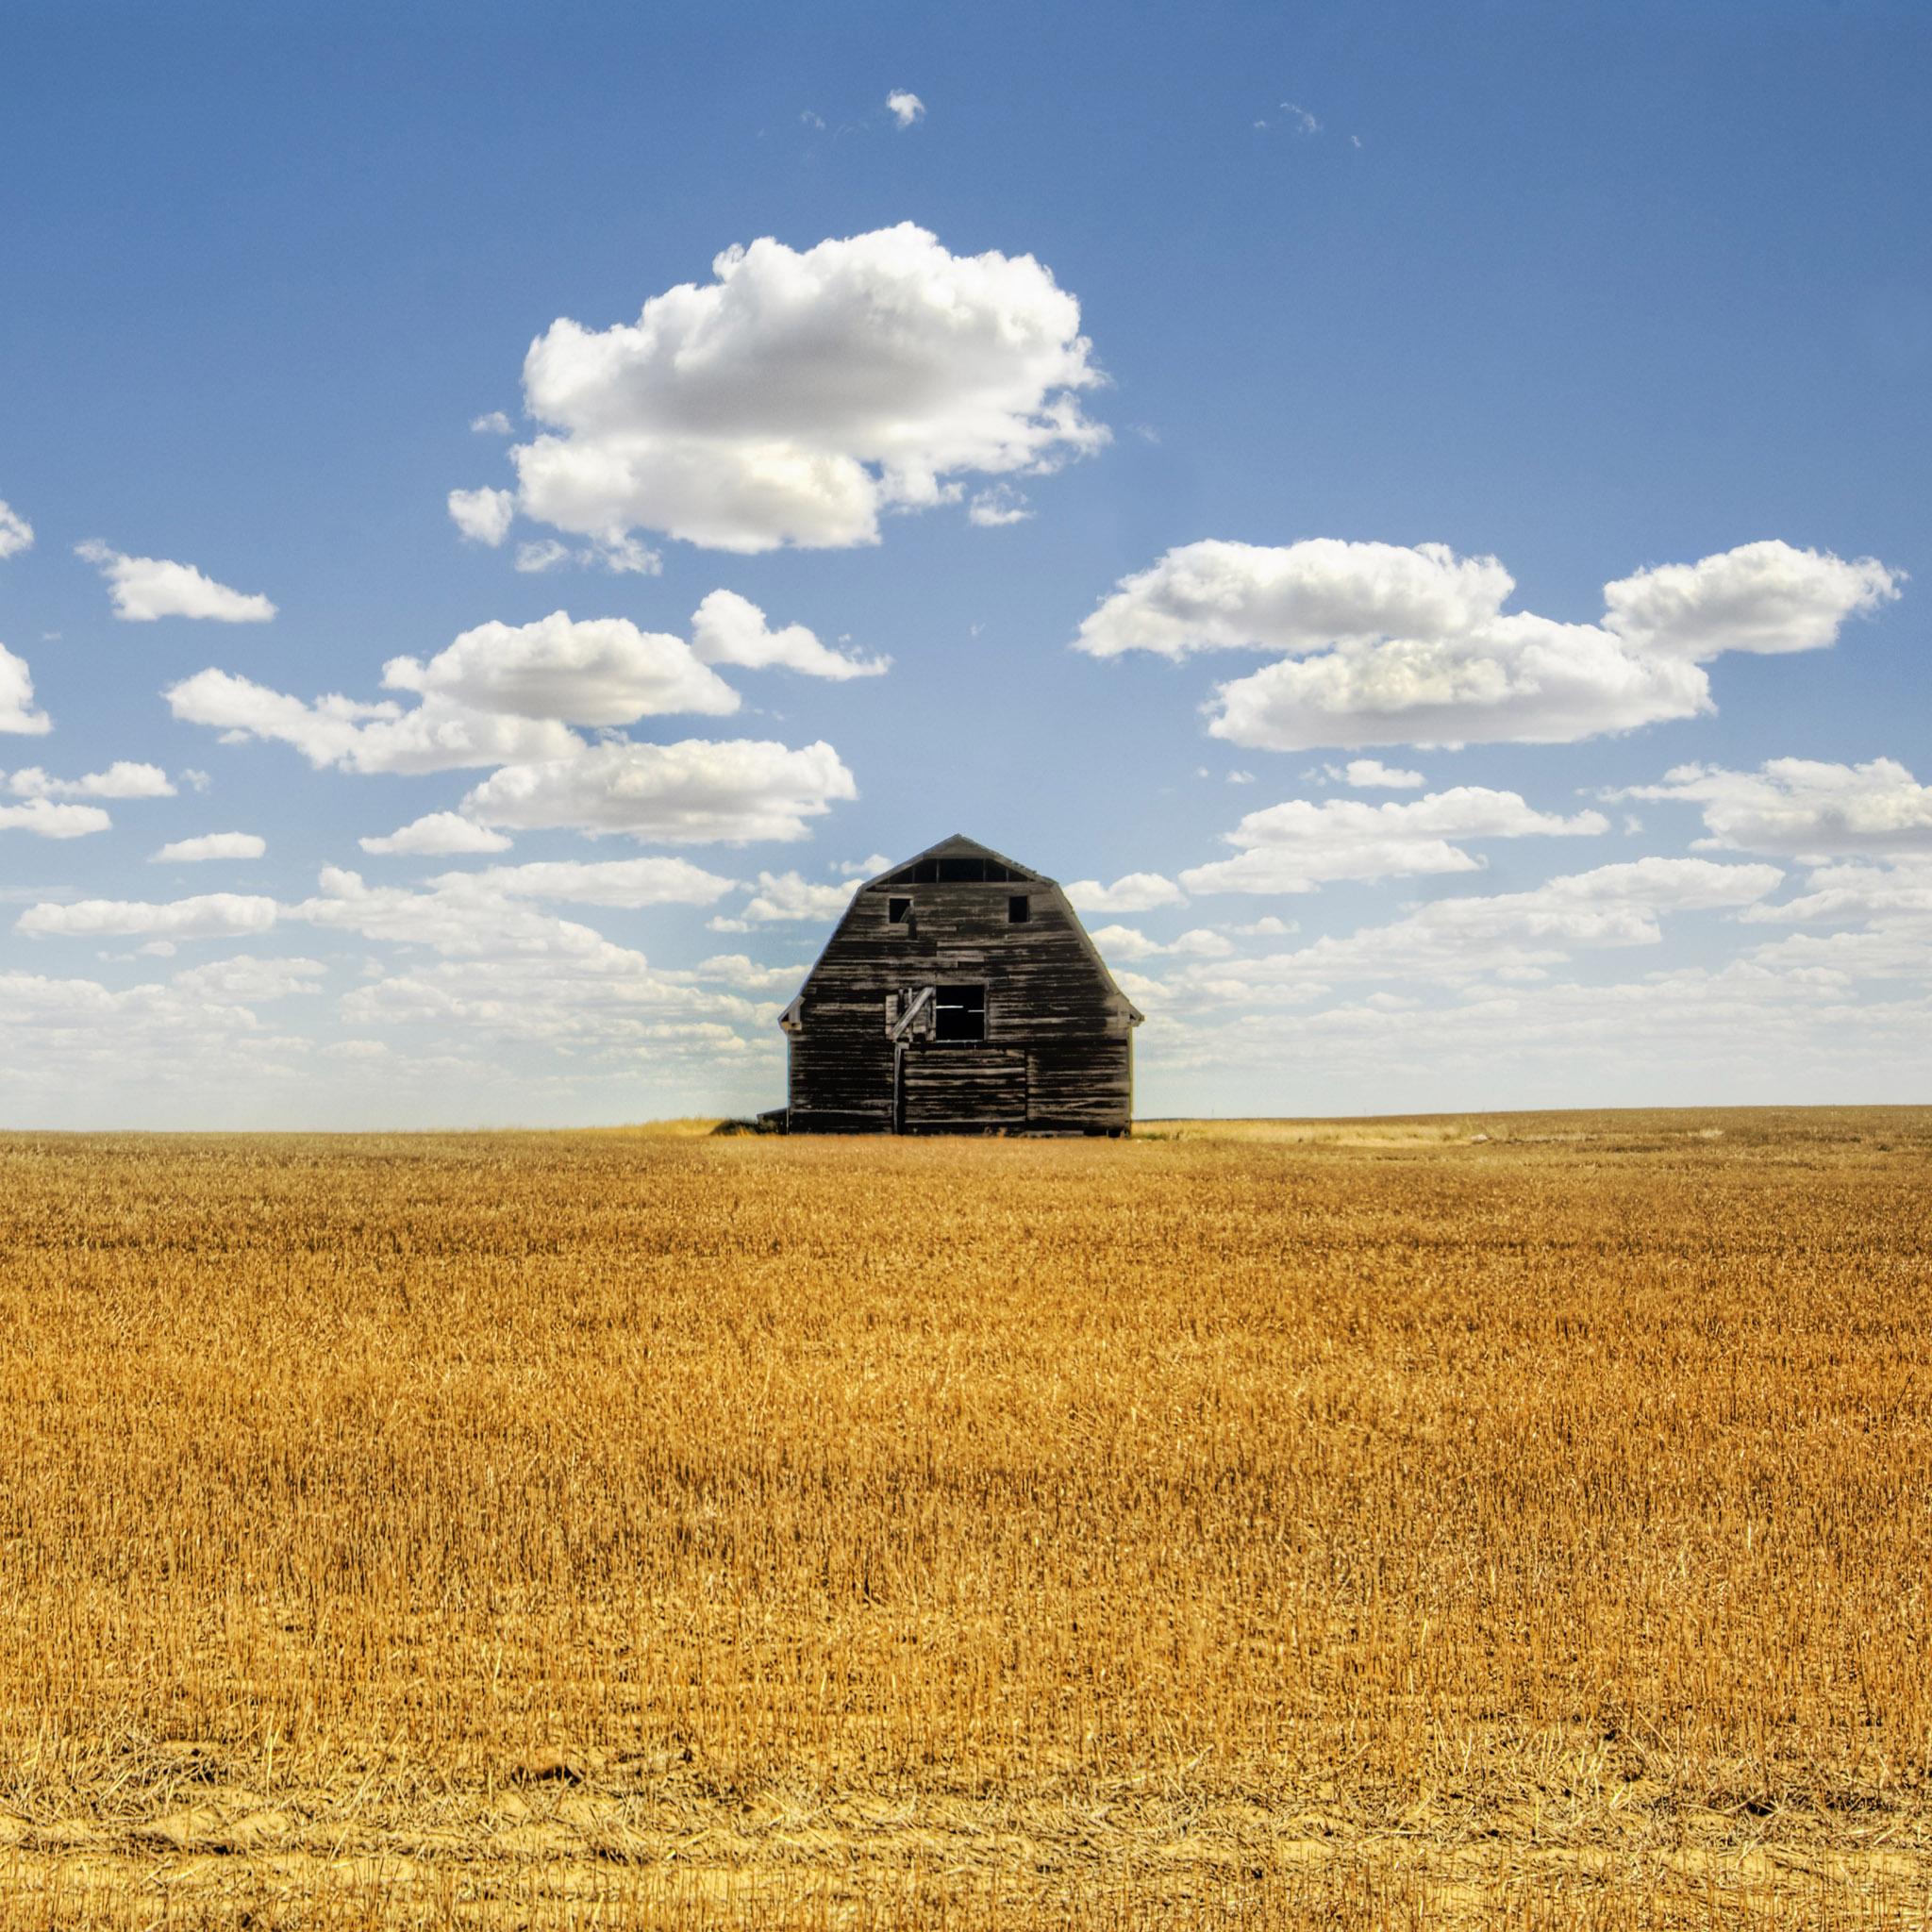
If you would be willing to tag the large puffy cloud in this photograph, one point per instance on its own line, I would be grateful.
(600, 671)
(797, 395)
(124, 778)
(730, 629)
(1299, 597)
(1763, 597)
(17, 713)
(1382, 644)
(211, 915)
(1804, 809)
(145, 588)
(1297, 845)
(696, 791)
(1516, 934)
(16, 533)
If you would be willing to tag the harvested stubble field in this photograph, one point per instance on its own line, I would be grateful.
(1510, 1521)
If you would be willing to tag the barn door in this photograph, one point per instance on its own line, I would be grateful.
(963, 1089)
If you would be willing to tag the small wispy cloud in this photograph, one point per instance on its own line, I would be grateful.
(212, 845)
(1002, 504)
(905, 108)
(16, 533)
(1300, 119)
(1363, 773)
(492, 423)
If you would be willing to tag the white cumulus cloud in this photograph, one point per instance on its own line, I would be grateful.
(1129, 942)
(799, 395)
(121, 779)
(1138, 892)
(17, 713)
(730, 629)
(1804, 807)
(51, 821)
(1118, 942)
(1295, 846)
(600, 671)
(438, 834)
(211, 915)
(145, 588)
(694, 791)
(905, 108)
(1763, 597)
(782, 896)
(213, 845)
(437, 736)
(16, 533)
(1377, 643)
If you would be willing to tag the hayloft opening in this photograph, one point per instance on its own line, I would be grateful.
(1018, 910)
(959, 1013)
(952, 871)
(898, 911)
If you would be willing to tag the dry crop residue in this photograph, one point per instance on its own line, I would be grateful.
(1500, 1521)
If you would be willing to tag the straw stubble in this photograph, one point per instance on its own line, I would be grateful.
(1353, 1523)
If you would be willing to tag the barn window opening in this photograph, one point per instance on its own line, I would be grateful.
(959, 1013)
(898, 911)
(1018, 910)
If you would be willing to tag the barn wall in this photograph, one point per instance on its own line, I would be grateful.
(1058, 1052)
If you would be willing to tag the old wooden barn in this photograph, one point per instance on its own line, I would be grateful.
(960, 995)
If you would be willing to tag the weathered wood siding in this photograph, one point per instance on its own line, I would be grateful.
(1057, 1055)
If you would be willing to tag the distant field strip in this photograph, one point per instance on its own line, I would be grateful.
(1516, 1520)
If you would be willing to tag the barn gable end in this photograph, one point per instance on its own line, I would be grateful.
(961, 995)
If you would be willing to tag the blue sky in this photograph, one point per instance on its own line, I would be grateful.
(1226, 420)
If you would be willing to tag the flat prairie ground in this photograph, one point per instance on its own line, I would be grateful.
(1517, 1520)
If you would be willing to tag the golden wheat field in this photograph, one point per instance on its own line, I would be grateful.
(1517, 1521)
